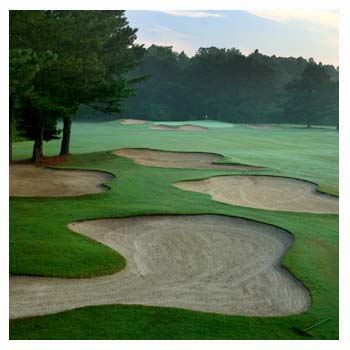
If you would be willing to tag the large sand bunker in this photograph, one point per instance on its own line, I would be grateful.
(34, 181)
(185, 127)
(190, 160)
(132, 121)
(264, 192)
(202, 262)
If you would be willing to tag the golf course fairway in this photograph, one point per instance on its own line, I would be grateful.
(81, 240)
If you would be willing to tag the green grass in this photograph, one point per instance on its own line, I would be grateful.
(141, 322)
(310, 154)
(41, 244)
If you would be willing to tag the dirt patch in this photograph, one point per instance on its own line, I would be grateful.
(181, 160)
(132, 121)
(262, 127)
(28, 180)
(265, 192)
(185, 127)
(48, 161)
(207, 263)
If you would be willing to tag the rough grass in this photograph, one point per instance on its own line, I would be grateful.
(41, 244)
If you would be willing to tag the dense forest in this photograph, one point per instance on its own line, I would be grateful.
(87, 66)
(223, 84)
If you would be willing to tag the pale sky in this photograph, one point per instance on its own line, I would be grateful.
(282, 33)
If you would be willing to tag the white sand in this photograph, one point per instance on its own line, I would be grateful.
(265, 192)
(132, 121)
(262, 127)
(190, 160)
(28, 180)
(185, 127)
(207, 263)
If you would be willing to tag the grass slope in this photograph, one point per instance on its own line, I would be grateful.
(46, 247)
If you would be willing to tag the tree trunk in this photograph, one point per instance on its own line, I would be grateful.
(308, 124)
(11, 121)
(38, 145)
(67, 126)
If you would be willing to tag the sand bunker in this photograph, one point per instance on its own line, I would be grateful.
(185, 127)
(262, 127)
(202, 262)
(182, 160)
(27, 180)
(132, 121)
(264, 192)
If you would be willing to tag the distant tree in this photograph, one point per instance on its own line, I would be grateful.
(221, 83)
(330, 101)
(183, 60)
(162, 95)
(311, 97)
(224, 83)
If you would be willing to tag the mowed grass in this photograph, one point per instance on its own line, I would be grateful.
(41, 244)
(310, 154)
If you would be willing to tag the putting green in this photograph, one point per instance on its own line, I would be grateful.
(188, 127)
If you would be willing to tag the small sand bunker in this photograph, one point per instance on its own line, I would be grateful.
(262, 127)
(265, 192)
(132, 121)
(28, 180)
(207, 263)
(184, 127)
(182, 160)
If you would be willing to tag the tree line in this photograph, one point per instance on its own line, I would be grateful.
(224, 84)
(62, 59)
